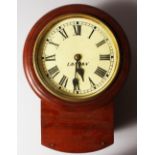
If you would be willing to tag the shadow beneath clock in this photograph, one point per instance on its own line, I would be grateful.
(125, 13)
(131, 151)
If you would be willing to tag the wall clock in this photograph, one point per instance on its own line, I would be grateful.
(76, 59)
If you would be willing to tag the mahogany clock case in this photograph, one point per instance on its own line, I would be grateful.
(65, 125)
(104, 97)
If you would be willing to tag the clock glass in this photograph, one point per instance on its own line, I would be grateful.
(76, 57)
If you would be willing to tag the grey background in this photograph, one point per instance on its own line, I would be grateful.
(125, 12)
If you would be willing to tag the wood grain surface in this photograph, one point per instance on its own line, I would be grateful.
(84, 126)
(77, 131)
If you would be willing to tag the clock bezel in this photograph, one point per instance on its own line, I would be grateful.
(38, 70)
(119, 34)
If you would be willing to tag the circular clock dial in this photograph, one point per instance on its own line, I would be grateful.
(76, 57)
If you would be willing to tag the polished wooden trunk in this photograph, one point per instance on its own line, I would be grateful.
(72, 130)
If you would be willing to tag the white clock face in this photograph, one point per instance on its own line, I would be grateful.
(76, 57)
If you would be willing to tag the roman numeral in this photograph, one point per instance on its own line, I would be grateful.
(77, 29)
(92, 32)
(54, 71)
(63, 81)
(50, 58)
(101, 43)
(105, 57)
(92, 83)
(50, 42)
(63, 33)
(100, 72)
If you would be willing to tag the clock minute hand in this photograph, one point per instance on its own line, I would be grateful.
(76, 80)
(78, 68)
(80, 71)
(76, 84)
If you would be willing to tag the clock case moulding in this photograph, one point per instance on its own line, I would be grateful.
(84, 126)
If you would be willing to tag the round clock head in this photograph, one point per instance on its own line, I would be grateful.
(76, 57)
